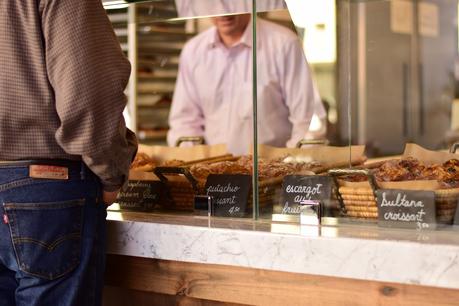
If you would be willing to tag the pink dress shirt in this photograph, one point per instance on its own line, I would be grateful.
(213, 94)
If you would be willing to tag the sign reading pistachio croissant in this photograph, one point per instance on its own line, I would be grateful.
(230, 194)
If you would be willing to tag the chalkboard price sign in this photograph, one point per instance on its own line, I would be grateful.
(298, 189)
(406, 208)
(230, 194)
(140, 195)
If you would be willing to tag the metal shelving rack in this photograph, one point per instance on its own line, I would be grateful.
(153, 48)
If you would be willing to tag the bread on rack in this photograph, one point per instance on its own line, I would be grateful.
(267, 168)
(410, 168)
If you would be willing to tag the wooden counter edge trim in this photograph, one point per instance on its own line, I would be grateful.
(262, 287)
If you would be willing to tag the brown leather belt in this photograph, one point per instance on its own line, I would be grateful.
(58, 169)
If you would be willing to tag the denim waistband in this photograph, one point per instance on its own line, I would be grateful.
(76, 169)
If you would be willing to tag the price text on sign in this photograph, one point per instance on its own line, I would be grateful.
(296, 189)
(406, 208)
(229, 193)
(140, 195)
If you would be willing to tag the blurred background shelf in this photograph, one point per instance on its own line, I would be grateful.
(158, 45)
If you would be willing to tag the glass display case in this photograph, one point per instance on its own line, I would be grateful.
(397, 89)
(359, 133)
(303, 158)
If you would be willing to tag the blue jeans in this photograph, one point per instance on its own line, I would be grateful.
(52, 238)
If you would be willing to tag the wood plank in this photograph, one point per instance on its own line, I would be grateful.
(114, 296)
(262, 287)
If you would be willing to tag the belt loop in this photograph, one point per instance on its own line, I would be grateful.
(83, 171)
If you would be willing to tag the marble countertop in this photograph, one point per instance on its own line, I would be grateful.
(362, 251)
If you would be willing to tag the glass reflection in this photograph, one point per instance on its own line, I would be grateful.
(213, 95)
(171, 9)
(288, 94)
(190, 8)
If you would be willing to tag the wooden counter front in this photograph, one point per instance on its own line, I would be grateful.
(144, 281)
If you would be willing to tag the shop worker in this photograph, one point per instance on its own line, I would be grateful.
(64, 148)
(213, 95)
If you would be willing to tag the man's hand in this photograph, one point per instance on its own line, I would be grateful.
(109, 197)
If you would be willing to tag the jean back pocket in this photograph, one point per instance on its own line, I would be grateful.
(46, 236)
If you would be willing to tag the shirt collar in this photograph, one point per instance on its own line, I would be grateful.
(246, 38)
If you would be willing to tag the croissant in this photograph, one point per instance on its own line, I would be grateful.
(143, 162)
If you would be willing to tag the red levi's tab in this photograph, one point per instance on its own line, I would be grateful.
(49, 172)
(5, 219)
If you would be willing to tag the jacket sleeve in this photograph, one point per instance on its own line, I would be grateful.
(88, 73)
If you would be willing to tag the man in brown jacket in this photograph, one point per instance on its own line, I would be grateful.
(64, 148)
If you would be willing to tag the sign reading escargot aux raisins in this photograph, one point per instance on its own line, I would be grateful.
(406, 208)
(230, 194)
(140, 195)
(298, 189)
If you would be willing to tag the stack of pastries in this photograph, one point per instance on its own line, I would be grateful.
(360, 201)
(412, 169)
(409, 169)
